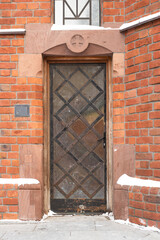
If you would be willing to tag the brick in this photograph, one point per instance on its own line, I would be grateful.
(21, 132)
(21, 13)
(22, 140)
(4, 103)
(144, 164)
(12, 170)
(132, 53)
(154, 47)
(10, 201)
(154, 148)
(154, 115)
(145, 190)
(144, 107)
(142, 42)
(154, 64)
(7, 125)
(154, 30)
(13, 208)
(20, 88)
(13, 155)
(18, 42)
(10, 216)
(143, 50)
(152, 223)
(143, 58)
(132, 38)
(107, 4)
(7, 50)
(143, 156)
(141, 4)
(33, 80)
(132, 101)
(36, 140)
(157, 88)
(157, 156)
(156, 72)
(116, 88)
(33, 5)
(8, 80)
(132, 117)
(132, 69)
(12, 194)
(154, 131)
(108, 19)
(131, 195)
(150, 206)
(109, 12)
(5, 162)
(144, 140)
(7, 95)
(155, 164)
(143, 33)
(132, 85)
(42, 13)
(156, 55)
(138, 221)
(144, 148)
(157, 173)
(136, 204)
(151, 215)
(154, 80)
(45, 5)
(2, 193)
(144, 172)
(157, 106)
(138, 196)
(131, 94)
(142, 75)
(157, 123)
(8, 6)
(144, 116)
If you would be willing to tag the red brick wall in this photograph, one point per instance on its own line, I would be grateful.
(135, 9)
(8, 201)
(113, 11)
(142, 107)
(144, 206)
(118, 110)
(17, 13)
(17, 90)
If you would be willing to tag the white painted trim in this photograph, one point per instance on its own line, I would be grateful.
(79, 27)
(12, 31)
(140, 21)
(19, 181)
(125, 180)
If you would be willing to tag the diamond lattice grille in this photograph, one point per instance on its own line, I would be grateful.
(77, 130)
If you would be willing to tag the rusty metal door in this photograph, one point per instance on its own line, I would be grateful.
(77, 145)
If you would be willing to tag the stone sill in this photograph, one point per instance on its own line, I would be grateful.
(136, 23)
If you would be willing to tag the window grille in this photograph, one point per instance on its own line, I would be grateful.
(77, 12)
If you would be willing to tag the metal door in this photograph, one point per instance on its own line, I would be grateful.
(77, 145)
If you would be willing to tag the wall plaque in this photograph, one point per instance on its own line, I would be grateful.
(22, 111)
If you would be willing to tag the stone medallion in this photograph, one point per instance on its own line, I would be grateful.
(77, 43)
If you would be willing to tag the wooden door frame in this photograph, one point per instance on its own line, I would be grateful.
(109, 140)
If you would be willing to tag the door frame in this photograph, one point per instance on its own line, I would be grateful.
(109, 139)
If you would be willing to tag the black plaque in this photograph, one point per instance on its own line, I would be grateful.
(22, 111)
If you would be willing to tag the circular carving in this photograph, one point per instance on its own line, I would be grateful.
(77, 43)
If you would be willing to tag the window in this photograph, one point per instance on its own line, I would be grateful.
(77, 12)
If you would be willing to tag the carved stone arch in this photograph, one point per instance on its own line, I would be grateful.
(90, 50)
